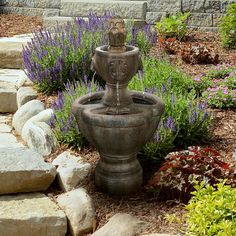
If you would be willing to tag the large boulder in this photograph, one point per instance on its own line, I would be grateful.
(71, 170)
(25, 112)
(32, 214)
(23, 170)
(40, 138)
(24, 95)
(121, 224)
(9, 140)
(43, 116)
(79, 210)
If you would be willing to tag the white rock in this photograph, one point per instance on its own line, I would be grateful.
(158, 234)
(65, 158)
(24, 95)
(121, 224)
(9, 140)
(79, 210)
(4, 128)
(3, 118)
(25, 112)
(71, 170)
(32, 214)
(7, 97)
(40, 138)
(43, 116)
(23, 170)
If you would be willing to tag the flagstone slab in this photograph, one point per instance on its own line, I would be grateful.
(16, 77)
(8, 140)
(23, 170)
(32, 214)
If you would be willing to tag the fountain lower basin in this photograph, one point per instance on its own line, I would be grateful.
(118, 138)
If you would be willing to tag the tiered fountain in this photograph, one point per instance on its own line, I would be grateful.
(118, 122)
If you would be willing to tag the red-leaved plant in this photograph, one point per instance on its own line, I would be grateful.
(178, 174)
(169, 45)
(196, 53)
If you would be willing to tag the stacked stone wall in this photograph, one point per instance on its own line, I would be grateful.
(205, 14)
(31, 7)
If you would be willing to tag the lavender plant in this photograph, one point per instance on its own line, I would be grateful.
(63, 121)
(54, 58)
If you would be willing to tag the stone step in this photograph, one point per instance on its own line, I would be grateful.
(32, 214)
(10, 81)
(50, 22)
(126, 9)
(11, 52)
(23, 170)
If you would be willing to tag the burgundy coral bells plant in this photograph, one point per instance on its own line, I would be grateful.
(178, 174)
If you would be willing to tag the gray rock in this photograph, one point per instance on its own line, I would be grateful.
(9, 140)
(121, 224)
(158, 234)
(25, 112)
(23, 170)
(43, 116)
(24, 95)
(79, 210)
(71, 170)
(40, 138)
(4, 128)
(32, 214)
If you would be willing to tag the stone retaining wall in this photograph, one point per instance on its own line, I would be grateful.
(205, 14)
(31, 7)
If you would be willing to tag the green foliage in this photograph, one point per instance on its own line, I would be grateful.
(173, 26)
(161, 75)
(177, 175)
(212, 211)
(228, 27)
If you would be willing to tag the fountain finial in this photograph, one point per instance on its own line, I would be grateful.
(116, 34)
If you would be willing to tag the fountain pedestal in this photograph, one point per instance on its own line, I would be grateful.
(118, 122)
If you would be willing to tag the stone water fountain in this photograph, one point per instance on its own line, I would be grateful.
(118, 122)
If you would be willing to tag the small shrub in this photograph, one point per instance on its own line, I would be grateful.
(177, 175)
(228, 27)
(198, 54)
(173, 26)
(211, 210)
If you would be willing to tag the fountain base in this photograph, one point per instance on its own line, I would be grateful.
(119, 175)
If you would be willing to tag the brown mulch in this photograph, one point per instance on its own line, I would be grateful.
(13, 24)
(141, 204)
